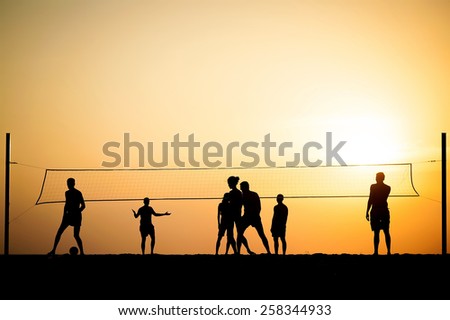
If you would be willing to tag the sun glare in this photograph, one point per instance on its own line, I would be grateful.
(369, 148)
(370, 142)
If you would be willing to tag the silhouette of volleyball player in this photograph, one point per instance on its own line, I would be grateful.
(146, 227)
(73, 208)
(379, 218)
(225, 224)
(278, 227)
(251, 217)
(236, 208)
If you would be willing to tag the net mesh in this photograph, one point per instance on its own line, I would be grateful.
(208, 183)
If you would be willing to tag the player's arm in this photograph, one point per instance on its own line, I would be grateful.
(258, 203)
(65, 203)
(82, 204)
(160, 214)
(136, 214)
(369, 204)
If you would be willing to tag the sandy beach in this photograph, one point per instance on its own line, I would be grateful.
(207, 277)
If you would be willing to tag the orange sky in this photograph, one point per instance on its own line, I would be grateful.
(75, 76)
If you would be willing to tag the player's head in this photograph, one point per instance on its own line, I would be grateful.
(70, 183)
(379, 177)
(232, 181)
(280, 198)
(245, 186)
(226, 197)
(146, 200)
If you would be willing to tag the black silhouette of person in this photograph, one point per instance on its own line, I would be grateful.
(379, 217)
(278, 227)
(236, 209)
(225, 224)
(146, 227)
(72, 216)
(251, 216)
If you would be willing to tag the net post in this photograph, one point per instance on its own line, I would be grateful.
(7, 173)
(444, 192)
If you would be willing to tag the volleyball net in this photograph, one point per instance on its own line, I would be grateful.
(211, 183)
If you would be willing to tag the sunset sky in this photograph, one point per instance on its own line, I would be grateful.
(77, 75)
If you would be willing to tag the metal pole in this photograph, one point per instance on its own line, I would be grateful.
(444, 193)
(7, 169)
